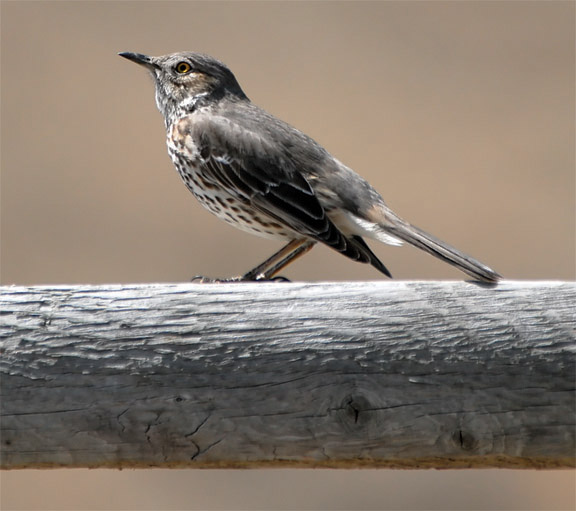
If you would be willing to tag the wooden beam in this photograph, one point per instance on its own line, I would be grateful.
(351, 374)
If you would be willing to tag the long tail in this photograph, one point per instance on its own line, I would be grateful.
(421, 239)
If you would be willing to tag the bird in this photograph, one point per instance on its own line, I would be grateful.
(264, 176)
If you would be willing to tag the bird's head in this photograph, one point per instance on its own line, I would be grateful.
(186, 81)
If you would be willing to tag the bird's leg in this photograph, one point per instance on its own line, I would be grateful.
(281, 259)
(269, 268)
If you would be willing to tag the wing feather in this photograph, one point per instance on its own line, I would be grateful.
(255, 171)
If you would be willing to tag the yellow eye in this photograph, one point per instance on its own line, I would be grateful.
(183, 67)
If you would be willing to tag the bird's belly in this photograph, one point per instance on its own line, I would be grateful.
(229, 207)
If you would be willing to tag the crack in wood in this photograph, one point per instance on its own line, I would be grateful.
(347, 374)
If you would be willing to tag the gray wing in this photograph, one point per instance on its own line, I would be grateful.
(264, 175)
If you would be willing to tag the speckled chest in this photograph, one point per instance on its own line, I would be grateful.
(225, 203)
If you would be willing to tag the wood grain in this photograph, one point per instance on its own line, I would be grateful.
(363, 374)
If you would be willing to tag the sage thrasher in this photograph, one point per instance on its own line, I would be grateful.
(263, 176)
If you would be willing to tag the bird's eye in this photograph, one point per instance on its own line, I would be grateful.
(183, 67)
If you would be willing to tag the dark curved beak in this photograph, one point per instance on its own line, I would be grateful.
(139, 58)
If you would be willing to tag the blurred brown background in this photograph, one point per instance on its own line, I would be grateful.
(460, 113)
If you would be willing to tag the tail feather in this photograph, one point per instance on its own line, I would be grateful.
(421, 239)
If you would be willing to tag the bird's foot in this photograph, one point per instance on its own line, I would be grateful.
(279, 278)
(200, 279)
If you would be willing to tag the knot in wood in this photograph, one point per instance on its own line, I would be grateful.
(465, 440)
(356, 412)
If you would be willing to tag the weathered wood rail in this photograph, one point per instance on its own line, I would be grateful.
(397, 374)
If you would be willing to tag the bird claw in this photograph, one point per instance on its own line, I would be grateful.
(263, 278)
(279, 278)
(200, 279)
